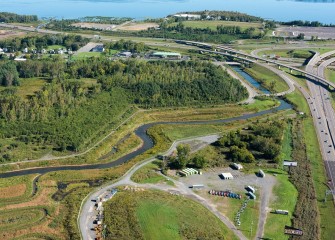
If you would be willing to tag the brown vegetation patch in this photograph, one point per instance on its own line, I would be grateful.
(138, 26)
(100, 26)
(13, 191)
(41, 200)
(9, 33)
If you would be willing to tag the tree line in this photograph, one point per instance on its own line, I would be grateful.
(39, 42)
(12, 17)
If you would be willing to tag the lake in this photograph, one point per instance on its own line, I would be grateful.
(285, 10)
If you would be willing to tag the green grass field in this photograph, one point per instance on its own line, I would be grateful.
(148, 214)
(213, 24)
(159, 215)
(330, 74)
(267, 78)
(55, 47)
(285, 198)
(285, 53)
(148, 174)
(299, 101)
(84, 55)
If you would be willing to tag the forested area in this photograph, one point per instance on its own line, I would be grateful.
(261, 141)
(12, 17)
(67, 114)
(39, 42)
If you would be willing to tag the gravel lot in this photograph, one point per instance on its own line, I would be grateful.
(320, 32)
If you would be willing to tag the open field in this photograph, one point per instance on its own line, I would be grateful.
(298, 101)
(4, 34)
(330, 74)
(284, 53)
(23, 189)
(267, 78)
(148, 174)
(137, 26)
(285, 197)
(96, 26)
(158, 215)
(213, 24)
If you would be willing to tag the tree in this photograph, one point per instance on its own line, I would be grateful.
(182, 155)
(8, 74)
(199, 161)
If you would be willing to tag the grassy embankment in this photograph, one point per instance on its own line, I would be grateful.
(330, 74)
(159, 215)
(288, 53)
(267, 78)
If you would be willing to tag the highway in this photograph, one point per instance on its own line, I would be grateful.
(323, 106)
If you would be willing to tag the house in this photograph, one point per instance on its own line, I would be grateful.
(227, 176)
(1, 50)
(98, 48)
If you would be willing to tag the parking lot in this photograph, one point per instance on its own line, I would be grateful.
(211, 180)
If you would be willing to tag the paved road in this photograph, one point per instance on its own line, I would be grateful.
(87, 212)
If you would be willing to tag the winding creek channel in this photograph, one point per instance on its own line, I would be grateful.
(148, 143)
